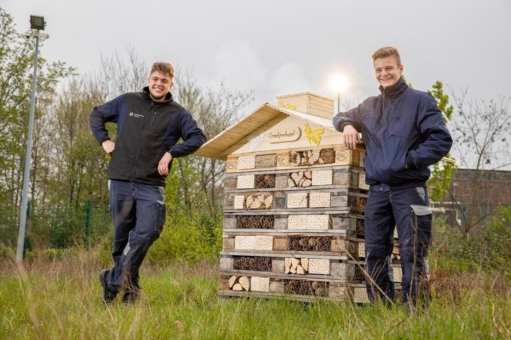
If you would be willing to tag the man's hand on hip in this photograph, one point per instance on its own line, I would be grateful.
(108, 146)
(163, 166)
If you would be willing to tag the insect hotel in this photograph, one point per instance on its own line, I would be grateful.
(294, 198)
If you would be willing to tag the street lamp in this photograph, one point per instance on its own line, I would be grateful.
(339, 83)
(36, 24)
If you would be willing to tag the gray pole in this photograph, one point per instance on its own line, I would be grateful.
(28, 157)
(338, 102)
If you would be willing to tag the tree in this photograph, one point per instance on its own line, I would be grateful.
(481, 134)
(16, 72)
(442, 172)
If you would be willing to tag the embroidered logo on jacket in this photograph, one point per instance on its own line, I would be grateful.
(136, 115)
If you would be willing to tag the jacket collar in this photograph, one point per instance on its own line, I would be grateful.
(395, 89)
(168, 97)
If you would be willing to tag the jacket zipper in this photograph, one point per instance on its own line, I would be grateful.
(140, 142)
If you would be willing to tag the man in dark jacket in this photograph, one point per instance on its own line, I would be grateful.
(404, 133)
(149, 125)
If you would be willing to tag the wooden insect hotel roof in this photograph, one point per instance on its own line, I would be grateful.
(305, 106)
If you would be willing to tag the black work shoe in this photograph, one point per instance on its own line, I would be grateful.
(130, 297)
(107, 295)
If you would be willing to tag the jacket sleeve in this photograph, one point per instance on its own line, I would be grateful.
(351, 117)
(100, 115)
(438, 140)
(193, 137)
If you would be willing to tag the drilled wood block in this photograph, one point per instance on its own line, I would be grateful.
(229, 222)
(245, 242)
(323, 177)
(361, 159)
(297, 222)
(228, 243)
(239, 202)
(319, 266)
(319, 200)
(277, 265)
(280, 222)
(395, 233)
(281, 244)
(360, 295)
(246, 182)
(281, 181)
(277, 287)
(308, 222)
(362, 181)
(265, 161)
(318, 221)
(226, 263)
(361, 249)
(299, 200)
(260, 284)
(246, 162)
(264, 243)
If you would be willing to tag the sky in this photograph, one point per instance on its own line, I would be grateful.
(279, 47)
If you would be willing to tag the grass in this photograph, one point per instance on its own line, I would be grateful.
(60, 299)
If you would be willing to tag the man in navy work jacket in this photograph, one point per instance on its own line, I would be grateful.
(404, 133)
(149, 125)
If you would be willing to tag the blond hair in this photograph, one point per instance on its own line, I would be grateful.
(385, 52)
(164, 68)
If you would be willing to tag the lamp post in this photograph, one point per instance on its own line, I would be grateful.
(36, 24)
(339, 83)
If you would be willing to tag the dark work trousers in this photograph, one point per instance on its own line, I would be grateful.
(138, 213)
(408, 209)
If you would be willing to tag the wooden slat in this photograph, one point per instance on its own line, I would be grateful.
(289, 253)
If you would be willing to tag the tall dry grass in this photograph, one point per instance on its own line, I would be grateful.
(60, 299)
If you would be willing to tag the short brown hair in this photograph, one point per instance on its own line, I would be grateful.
(385, 52)
(164, 68)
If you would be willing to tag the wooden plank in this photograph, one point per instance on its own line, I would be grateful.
(339, 280)
(276, 253)
(340, 233)
(266, 161)
(230, 182)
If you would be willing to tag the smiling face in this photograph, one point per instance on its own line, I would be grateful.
(387, 70)
(159, 85)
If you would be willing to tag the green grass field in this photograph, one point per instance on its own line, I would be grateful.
(60, 299)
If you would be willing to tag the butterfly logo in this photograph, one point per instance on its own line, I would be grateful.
(313, 136)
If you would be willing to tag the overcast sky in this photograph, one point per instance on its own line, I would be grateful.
(278, 47)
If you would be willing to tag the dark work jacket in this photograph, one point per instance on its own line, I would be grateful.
(145, 131)
(402, 126)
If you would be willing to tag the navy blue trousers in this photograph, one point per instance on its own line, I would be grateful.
(408, 210)
(138, 213)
